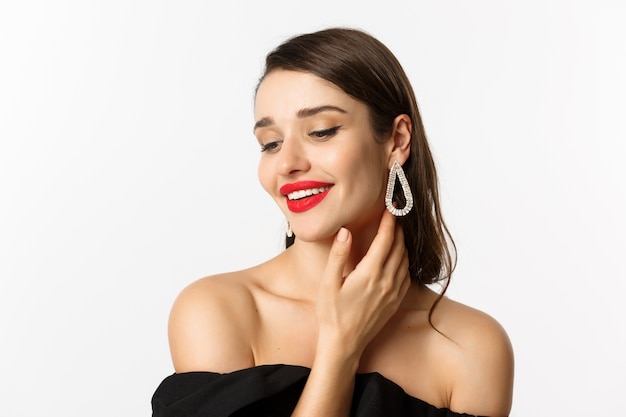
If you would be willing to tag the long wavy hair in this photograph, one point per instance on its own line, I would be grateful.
(367, 70)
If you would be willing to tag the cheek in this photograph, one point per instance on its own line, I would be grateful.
(375, 170)
(265, 178)
(368, 165)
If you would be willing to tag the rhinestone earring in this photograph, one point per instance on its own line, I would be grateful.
(289, 231)
(396, 171)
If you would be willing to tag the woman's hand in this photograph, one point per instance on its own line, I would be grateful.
(352, 309)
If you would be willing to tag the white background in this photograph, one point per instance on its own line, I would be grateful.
(128, 170)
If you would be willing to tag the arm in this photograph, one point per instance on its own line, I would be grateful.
(206, 330)
(351, 311)
(483, 371)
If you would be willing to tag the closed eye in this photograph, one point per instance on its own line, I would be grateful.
(325, 133)
(270, 146)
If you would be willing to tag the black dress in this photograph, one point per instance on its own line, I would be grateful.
(274, 390)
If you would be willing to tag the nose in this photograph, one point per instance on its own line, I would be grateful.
(292, 157)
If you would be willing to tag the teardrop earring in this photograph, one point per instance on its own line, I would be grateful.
(396, 171)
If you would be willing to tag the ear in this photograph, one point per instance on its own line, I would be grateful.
(400, 140)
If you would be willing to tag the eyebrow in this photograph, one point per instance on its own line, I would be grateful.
(301, 114)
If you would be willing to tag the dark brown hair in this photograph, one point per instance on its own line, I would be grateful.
(368, 71)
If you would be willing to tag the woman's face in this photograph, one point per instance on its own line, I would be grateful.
(319, 161)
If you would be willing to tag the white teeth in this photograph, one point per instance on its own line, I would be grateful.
(297, 195)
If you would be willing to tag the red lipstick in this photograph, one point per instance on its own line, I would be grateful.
(300, 203)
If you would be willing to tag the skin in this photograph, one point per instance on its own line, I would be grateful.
(339, 300)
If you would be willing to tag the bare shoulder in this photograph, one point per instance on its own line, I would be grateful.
(211, 323)
(481, 360)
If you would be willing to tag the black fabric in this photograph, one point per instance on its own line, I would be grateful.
(274, 390)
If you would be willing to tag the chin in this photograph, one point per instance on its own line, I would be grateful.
(316, 235)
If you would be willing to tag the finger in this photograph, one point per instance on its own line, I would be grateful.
(396, 270)
(381, 245)
(403, 266)
(337, 258)
(402, 277)
(397, 252)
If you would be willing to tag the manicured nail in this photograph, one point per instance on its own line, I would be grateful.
(342, 236)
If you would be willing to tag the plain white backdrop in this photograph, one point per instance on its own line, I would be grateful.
(128, 170)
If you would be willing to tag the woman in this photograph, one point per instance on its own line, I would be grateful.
(342, 322)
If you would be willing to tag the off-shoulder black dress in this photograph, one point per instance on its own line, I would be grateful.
(274, 390)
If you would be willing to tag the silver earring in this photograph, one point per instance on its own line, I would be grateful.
(289, 231)
(397, 172)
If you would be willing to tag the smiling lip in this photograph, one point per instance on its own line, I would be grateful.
(314, 192)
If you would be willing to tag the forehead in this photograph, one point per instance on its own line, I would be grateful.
(282, 93)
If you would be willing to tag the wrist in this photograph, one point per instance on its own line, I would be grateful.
(337, 355)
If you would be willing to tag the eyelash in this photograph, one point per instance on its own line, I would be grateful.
(317, 134)
(321, 134)
(269, 146)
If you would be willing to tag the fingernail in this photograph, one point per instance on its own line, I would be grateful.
(342, 236)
